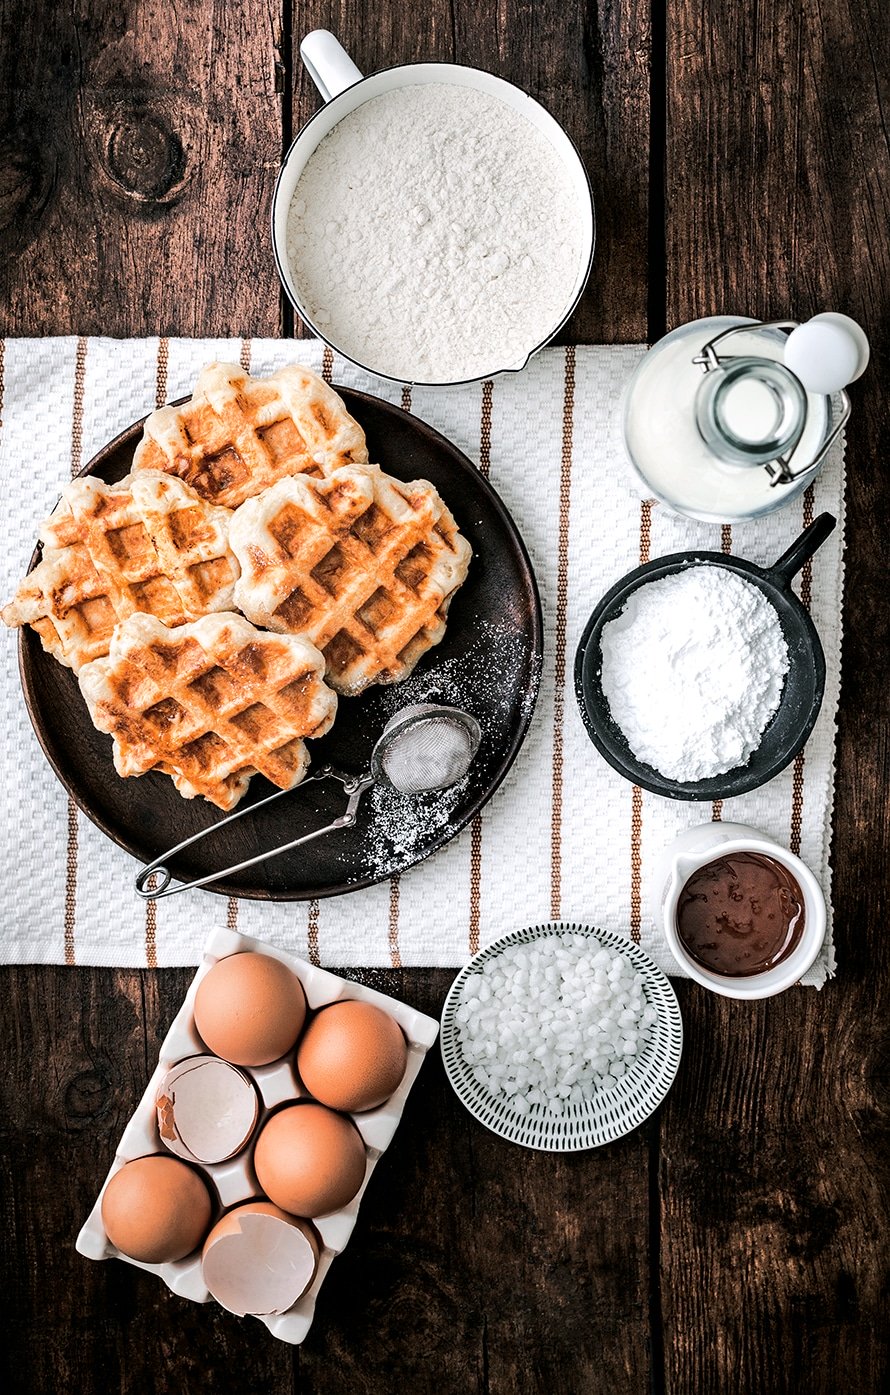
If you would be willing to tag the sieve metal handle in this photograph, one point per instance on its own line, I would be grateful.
(354, 787)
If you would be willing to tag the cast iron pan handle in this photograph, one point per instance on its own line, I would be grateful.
(800, 551)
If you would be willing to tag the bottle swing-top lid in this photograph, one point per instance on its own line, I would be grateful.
(751, 411)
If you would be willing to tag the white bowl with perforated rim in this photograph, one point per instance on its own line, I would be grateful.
(610, 1113)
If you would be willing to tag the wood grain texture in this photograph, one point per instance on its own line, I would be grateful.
(140, 145)
(739, 1242)
(775, 1142)
(587, 64)
(473, 1266)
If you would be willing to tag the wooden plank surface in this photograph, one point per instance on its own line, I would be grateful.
(473, 1266)
(774, 1143)
(141, 146)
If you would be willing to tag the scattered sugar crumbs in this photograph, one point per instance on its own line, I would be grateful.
(487, 681)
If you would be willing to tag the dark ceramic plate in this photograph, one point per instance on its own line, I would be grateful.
(489, 663)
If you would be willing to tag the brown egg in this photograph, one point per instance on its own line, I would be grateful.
(258, 1259)
(309, 1160)
(250, 1009)
(352, 1056)
(156, 1210)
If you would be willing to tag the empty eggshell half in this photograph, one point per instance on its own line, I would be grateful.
(257, 1259)
(207, 1109)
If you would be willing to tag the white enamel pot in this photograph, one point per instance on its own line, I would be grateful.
(344, 89)
(694, 849)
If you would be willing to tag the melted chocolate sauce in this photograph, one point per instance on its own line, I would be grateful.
(740, 915)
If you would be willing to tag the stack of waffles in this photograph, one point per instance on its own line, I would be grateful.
(255, 496)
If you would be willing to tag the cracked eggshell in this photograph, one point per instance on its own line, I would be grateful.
(207, 1109)
(258, 1259)
(250, 1009)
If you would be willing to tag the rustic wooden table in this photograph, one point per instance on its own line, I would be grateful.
(738, 1243)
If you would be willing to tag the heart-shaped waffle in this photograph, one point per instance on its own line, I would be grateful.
(237, 434)
(210, 703)
(361, 564)
(147, 544)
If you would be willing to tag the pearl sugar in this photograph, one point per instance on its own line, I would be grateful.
(553, 1022)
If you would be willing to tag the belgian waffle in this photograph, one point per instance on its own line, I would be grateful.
(147, 544)
(210, 703)
(237, 435)
(361, 564)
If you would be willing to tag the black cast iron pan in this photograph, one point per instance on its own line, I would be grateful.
(789, 729)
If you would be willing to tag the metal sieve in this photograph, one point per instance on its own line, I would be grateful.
(423, 748)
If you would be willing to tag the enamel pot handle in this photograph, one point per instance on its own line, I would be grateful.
(328, 64)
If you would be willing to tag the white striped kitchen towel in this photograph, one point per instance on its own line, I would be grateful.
(565, 836)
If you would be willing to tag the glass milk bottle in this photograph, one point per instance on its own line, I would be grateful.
(728, 418)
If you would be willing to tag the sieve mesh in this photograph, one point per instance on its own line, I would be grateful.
(430, 754)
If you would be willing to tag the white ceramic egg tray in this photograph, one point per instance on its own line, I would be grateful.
(235, 1180)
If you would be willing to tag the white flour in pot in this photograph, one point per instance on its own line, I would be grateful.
(693, 671)
(435, 235)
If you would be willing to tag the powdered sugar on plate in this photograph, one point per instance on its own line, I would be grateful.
(435, 235)
(489, 680)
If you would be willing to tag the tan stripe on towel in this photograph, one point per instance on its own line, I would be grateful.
(475, 882)
(476, 827)
(151, 907)
(562, 581)
(797, 777)
(636, 804)
(245, 355)
(726, 549)
(312, 938)
(161, 373)
(395, 954)
(485, 428)
(151, 927)
(327, 364)
(80, 368)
